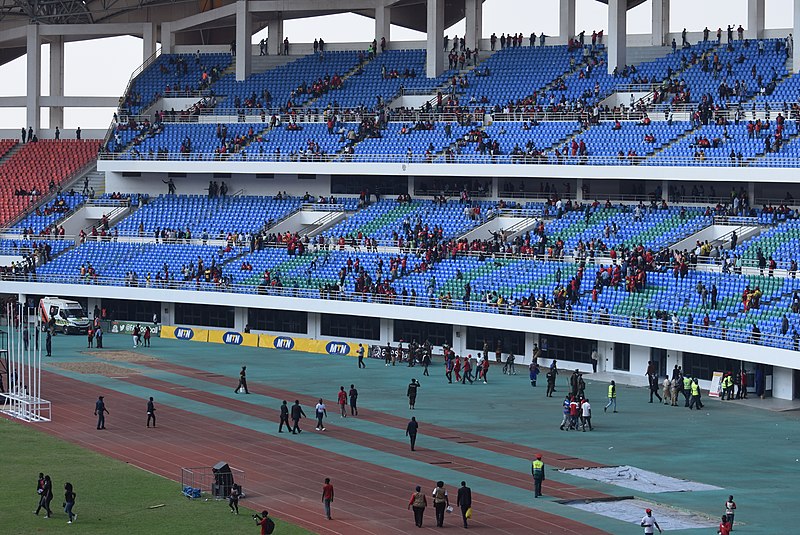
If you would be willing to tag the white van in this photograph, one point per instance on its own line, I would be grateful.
(67, 316)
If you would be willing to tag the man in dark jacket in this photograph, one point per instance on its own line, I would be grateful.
(297, 413)
(464, 501)
(284, 417)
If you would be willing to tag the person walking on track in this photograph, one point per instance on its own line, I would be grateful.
(297, 413)
(151, 412)
(100, 411)
(284, 417)
(412, 393)
(242, 381)
(418, 503)
(327, 497)
(353, 400)
(411, 431)
(321, 412)
(342, 401)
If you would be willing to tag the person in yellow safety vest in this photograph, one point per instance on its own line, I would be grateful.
(687, 389)
(612, 397)
(695, 396)
(537, 469)
(727, 387)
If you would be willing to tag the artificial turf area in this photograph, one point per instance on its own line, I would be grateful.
(112, 496)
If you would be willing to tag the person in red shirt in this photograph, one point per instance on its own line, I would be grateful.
(342, 400)
(724, 526)
(327, 497)
(266, 523)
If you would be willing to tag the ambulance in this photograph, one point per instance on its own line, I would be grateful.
(67, 316)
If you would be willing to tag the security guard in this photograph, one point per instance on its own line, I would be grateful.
(537, 469)
(612, 397)
(687, 388)
(695, 396)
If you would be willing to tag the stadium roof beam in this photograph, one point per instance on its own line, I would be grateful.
(796, 29)
(566, 19)
(755, 19)
(617, 34)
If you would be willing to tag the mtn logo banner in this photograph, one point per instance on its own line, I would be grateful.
(184, 333)
(233, 338)
(337, 348)
(283, 342)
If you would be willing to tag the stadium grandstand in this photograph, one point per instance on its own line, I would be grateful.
(629, 198)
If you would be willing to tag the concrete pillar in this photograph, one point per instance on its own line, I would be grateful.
(244, 34)
(474, 19)
(435, 29)
(33, 77)
(275, 36)
(566, 20)
(383, 23)
(56, 81)
(617, 33)
(148, 40)
(796, 27)
(782, 382)
(755, 19)
(167, 38)
(660, 22)
(579, 190)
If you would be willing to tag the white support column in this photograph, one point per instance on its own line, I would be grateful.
(33, 77)
(796, 26)
(167, 38)
(275, 36)
(474, 20)
(383, 23)
(617, 33)
(566, 20)
(148, 40)
(56, 81)
(755, 19)
(244, 34)
(660, 22)
(435, 30)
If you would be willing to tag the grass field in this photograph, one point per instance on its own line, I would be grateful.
(112, 496)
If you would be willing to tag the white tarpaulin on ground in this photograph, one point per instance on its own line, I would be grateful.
(633, 510)
(640, 480)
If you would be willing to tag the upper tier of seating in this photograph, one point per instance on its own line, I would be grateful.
(34, 166)
(172, 73)
(376, 80)
(217, 216)
(283, 82)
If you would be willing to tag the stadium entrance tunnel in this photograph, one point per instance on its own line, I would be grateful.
(631, 510)
(638, 480)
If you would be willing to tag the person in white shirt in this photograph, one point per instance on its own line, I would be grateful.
(586, 415)
(648, 522)
(321, 413)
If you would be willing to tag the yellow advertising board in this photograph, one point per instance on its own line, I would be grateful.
(269, 341)
(184, 333)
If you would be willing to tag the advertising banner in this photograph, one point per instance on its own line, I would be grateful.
(126, 327)
(184, 333)
(234, 338)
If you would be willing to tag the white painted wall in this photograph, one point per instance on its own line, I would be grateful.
(404, 169)
(197, 183)
(782, 383)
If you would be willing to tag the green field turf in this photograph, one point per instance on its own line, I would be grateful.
(112, 496)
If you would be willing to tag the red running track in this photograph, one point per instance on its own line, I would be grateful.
(283, 474)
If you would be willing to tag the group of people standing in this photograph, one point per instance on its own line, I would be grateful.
(44, 491)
